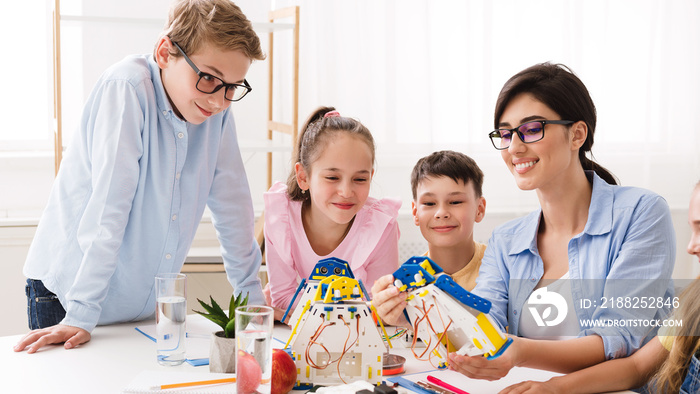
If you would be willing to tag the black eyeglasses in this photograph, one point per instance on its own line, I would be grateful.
(527, 132)
(209, 84)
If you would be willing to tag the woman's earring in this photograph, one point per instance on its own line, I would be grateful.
(303, 191)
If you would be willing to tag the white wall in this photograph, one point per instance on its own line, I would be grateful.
(14, 243)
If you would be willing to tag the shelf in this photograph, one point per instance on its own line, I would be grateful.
(204, 255)
(19, 222)
(263, 145)
(207, 259)
(265, 27)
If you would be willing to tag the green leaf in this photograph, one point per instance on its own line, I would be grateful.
(218, 316)
(245, 320)
(235, 303)
(216, 319)
(204, 305)
(211, 310)
(232, 307)
(230, 329)
(217, 308)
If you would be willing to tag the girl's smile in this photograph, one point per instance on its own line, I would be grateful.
(344, 205)
(338, 182)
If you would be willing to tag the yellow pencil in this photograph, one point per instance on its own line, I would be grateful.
(188, 384)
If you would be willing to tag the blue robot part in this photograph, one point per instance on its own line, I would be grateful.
(331, 266)
(296, 293)
(500, 351)
(449, 286)
(420, 260)
(417, 271)
(364, 291)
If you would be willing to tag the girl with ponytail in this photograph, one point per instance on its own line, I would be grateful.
(324, 210)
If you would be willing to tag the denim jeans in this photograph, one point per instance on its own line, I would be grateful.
(691, 384)
(43, 308)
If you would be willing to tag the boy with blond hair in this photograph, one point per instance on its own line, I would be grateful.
(155, 145)
(447, 201)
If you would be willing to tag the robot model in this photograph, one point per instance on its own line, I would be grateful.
(334, 338)
(445, 316)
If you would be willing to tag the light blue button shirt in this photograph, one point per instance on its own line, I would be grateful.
(628, 246)
(129, 196)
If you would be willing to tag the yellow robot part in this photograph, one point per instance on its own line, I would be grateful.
(491, 333)
(428, 267)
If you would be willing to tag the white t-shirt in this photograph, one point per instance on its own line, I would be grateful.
(566, 329)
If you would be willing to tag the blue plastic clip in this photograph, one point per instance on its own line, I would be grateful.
(501, 350)
(289, 307)
(364, 291)
(449, 286)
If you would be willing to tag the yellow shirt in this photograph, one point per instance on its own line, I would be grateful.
(466, 277)
(666, 337)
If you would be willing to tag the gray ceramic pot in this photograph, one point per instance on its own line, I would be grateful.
(222, 353)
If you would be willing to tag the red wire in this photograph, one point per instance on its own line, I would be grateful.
(444, 331)
(312, 341)
(345, 348)
(317, 334)
(425, 316)
(415, 331)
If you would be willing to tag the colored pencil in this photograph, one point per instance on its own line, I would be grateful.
(433, 379)
(189, 384)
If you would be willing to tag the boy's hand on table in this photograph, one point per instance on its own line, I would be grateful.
(389, 301)
(68, 335)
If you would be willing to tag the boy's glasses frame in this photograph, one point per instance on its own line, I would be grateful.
(528, 133)
(233, 91)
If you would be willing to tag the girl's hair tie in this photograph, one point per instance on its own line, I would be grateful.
(331, 114)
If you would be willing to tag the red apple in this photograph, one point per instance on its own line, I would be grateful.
(248, 373)
(284, 372)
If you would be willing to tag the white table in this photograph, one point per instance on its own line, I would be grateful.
(116, 354)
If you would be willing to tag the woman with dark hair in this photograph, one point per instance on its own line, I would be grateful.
(591, 241)
(669, 363)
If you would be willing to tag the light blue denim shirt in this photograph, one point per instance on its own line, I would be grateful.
(628, 236)
(129, 196)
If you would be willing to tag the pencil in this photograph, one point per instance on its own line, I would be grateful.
(433, 379)
(189, 384)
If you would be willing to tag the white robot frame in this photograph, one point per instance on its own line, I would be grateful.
(445, 316)
(334, 337)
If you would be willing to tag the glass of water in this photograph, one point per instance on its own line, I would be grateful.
(171, 310)
(254, 349)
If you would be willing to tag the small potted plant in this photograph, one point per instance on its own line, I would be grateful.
(222, 351)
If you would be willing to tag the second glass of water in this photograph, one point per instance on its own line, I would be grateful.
(171, 311)
(254, 349)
